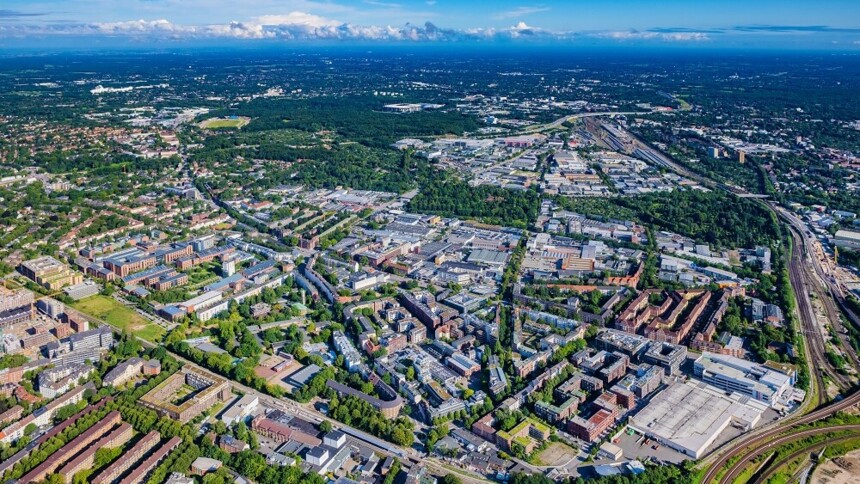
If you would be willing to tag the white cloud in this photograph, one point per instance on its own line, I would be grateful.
(297, 18)
(520, 12)
(300, 25)
(648, 35)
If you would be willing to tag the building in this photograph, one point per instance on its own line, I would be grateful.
(144, 468)
(526, 434)
(556, 413)
(847, 239)
(403, 108)
(210, 389)
(463, 365)
(277, 425)
(123, 372)
(240, 410)
(591, 428)
(317, 456)
(123, 264)
(611, 451)
(689, 417)
(83, 290)
(129, 458)
(731, 374)
(232, 445)
(352, 358)
(73, 448)
(49, 273)
(80, 347)
(50, 307)
(335, 439)
(56, 381)
(42, 416)
(204, 465)
(390, 408)
(667, 356)
(260, 310)
(15, 306)
(13, 413)
(84, 460)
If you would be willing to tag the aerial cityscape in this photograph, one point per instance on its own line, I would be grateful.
(419, 242)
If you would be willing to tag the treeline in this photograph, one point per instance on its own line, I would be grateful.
(490, 204)
(252, 465)
(243, 372)
(660, 474)
(335, 164)
(99, 163)
(359, 414)
(715, 218)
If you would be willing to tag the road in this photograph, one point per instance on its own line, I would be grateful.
(558, 122)
(815, 358)
(307, 412)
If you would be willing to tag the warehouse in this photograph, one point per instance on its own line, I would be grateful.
(689, 417)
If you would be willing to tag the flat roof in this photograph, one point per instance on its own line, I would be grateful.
(847, 234)
(690, 416)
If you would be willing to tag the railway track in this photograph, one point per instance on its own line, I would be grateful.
(765, 439)
(741, 465)
(808, 321)
(816, 345)
(773, 468)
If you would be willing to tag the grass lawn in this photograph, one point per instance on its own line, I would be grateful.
(116, 314)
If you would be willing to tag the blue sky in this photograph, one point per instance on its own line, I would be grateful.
(728, 23)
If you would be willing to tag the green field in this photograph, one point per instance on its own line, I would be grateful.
(220, 123)
(116, 314)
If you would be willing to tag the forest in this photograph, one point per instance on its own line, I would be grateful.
(486, 203)
(358, 118)
(716, 218)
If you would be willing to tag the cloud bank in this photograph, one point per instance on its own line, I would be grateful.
(306, 26)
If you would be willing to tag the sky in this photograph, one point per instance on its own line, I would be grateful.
(788, 24)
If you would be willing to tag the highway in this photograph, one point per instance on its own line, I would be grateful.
(558, 122)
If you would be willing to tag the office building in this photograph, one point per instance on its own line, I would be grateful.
(50, 273)
(731, 374)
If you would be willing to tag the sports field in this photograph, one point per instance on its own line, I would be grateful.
(222, 123)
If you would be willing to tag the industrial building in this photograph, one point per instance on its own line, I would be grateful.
(760, 382)
(689, 417)
(847, 239)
